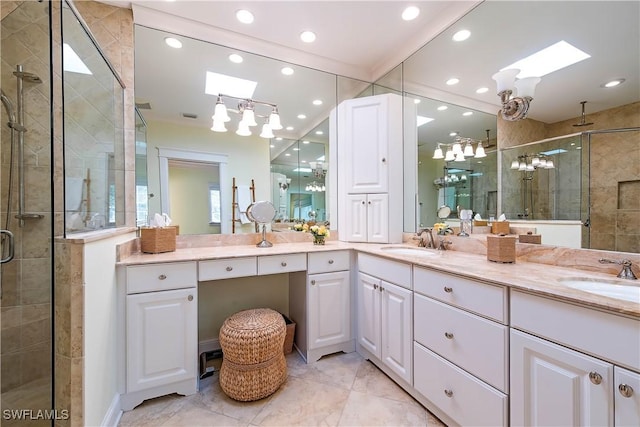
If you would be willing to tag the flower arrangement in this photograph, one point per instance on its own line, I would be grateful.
(301, 227)
(441, 228)
(320, 232)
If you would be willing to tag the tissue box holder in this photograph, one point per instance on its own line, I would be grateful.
(500, 227)
(530, 238)
(501, 248)
(155, 240)
(480, 222)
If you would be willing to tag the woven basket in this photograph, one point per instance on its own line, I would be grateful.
(253, 363)
(291, 332)
(155, 240)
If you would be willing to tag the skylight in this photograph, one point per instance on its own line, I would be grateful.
(423, 120)
(228, 85)
(552, 152)
(72, 61)
(548, 60)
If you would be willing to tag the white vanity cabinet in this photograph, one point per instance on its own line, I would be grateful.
(369, 180)
(572, 365)
(161, 330)
(461, 347)
(320, 304)
(385, 312)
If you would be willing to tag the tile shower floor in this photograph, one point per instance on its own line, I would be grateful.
(338, 390)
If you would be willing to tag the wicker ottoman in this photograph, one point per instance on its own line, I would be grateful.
(253, 362)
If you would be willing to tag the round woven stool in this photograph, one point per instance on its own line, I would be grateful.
(253, 362)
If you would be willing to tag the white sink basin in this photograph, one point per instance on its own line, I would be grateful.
(403, 250)
(611, 289)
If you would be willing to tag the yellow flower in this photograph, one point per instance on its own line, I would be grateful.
(305, 227)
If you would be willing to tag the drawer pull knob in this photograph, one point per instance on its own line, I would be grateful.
(449, 335)
(375, 286)
(384, 160)
(626, 390)
(449, 393)
(330, 261)
(595, 378)
(313, 282)
(448, 290)
(381, 289)
(284, 264)
(162, 277)
(363, 202)
(190, 298)
(229, 268)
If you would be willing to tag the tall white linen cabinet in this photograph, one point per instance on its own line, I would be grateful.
(372, 156)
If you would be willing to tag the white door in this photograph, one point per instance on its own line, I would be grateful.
(397, 327)
(356, 215)
(162, 335)
(366, 134)
(329, 313)
(369, 313)
(627, 397)
(378, 218)
(555, 386)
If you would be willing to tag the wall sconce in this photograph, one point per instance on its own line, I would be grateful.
(319, 169)
(517, 107)
(531, 162)
(284, 185)
(460, 149)
(246, 108)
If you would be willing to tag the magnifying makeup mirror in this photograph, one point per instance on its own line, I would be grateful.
(444, 211)
(262, 212)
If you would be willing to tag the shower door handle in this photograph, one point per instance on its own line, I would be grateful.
(6, 234)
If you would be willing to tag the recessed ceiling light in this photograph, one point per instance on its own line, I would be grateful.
(467, 113)
(442, 108)
(482, 90)
(319, 132)
(296, 149)
(244, 16)
(303, 161)
(453, 133)
(613, 83)
(317, 102)
(287, 154)
(453, 81)
(305, 142)
(416, 101)
(173, 42)
(272, 146)
(289, 127)
(410, 13)
(461, 35)
(235, 58)
(548, 60)
(287, 71)
(420, 120)
(279, 138)
(234, 86)
(302, 116)
(308, 36)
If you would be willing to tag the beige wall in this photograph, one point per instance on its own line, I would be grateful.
(189, 190)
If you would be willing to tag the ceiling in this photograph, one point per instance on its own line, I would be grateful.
(363, 40)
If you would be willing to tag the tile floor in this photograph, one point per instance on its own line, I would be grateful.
(338, 390)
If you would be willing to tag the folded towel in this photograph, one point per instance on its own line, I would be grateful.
(244, 200)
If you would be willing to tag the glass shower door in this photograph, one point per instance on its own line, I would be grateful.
(26, 216)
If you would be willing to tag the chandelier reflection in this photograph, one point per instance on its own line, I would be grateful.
(314, 187)
(319, 169)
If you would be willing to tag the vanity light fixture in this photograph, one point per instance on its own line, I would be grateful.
(319, 169)
(459, 150)
(314, 187)
(531, 163)
(246, 108)
(516, 107)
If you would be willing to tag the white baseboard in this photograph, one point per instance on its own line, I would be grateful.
(114, 413)
(209, 345)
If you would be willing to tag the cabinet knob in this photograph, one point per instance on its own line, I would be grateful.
(284, 264)
(449, 335)
(330, 261)
(369, 201)
(363, 202)
(595, 378)
(626, 390)
(375, 286)
(381, 289)
(448, 289)
(384, 160)
(162, 277)
(449, 393)
(229, 268)
(313, 282)
(190, 298)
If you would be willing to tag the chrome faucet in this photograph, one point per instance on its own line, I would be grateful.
(626, 272)
(442, 244)
(429, 243)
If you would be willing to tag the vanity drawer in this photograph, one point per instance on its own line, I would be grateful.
(227, 268)
(484, 299)
(472, 342)
(161, 277)
(274, 264)
(466, 399)
(391, 271)
(326, 262)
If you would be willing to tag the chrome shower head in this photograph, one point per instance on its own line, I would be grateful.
(582, 120)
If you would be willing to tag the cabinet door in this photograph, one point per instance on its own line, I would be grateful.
(369, 313)
(397, 329)
(329, 313)
(366, 134)
(627, 397)
(356, 215)
(553, 385)
(378, 218)
(162, 335)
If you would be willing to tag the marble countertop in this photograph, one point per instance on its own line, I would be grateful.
(528, 276)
